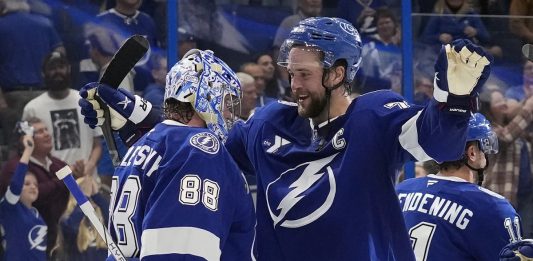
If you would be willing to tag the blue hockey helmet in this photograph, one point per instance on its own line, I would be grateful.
(335, 37)
(479, 129)
(209, 85)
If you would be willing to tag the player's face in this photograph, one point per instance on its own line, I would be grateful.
(30, 190)
(306, 71)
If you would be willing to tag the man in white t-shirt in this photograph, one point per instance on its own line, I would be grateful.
(74, 142)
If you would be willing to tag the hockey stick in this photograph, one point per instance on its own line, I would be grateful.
(123, 61)
(65, 174)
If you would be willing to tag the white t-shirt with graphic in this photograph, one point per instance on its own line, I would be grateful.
(72, 139)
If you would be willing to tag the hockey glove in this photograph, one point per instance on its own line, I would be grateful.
(93, 113)
(518, 251)
(460, 71)
(131, 115)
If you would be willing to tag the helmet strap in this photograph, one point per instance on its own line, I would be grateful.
(480, 171)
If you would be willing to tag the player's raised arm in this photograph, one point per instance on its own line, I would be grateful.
(439, 130)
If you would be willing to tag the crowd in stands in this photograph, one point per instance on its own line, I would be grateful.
(51, 48)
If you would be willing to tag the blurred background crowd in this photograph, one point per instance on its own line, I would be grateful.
(50, 48)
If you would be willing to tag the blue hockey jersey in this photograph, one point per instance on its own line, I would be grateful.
(25, 230)
(178, 195)
(449, 218)
(327, 192)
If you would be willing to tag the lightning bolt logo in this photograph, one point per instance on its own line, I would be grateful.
(310, 175)
(206, 141)
(37, 237)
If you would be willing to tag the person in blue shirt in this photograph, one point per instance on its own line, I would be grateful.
(451, 218)
(177, 194)
(24, 228)
(326, 164)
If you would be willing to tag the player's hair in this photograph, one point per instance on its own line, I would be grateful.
(457, 164)
(178, 111)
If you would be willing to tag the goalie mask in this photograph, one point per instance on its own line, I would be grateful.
(209, 85)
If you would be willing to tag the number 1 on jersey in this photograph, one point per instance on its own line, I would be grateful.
(421, 236)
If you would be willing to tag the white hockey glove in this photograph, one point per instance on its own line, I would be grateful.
(461, 70)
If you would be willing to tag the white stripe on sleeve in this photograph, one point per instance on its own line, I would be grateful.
(438, 94)
(180, 240)
(11, 198)
(409, 139)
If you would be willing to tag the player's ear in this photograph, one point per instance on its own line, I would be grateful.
(471, 152)
(336, 75)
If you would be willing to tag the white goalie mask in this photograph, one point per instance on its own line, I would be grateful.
(209, 85)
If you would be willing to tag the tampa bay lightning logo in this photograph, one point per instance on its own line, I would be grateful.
(308, 189)
(37, 237)
(206, 142)
(348, 28)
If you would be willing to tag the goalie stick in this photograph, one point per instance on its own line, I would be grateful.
(65, 174)
(123, 61)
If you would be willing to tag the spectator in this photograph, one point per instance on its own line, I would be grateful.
(275, 87)
(126, 20)
(74, 142)
(304, 9)
(155, 92)
(102, 46)
(249, 95)
(381, 62)
(423, 90)
(26, 39)
(454, 19)
(25, 230)
(510, 171)
(388, 28)
(257, 72)
(361, 14)
(521, 26)
(53, 195)
(77, 239)
(519, 93)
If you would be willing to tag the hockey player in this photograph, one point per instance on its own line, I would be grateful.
(177, 194)
(325, 165)
(448, 217)
(25, 230)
